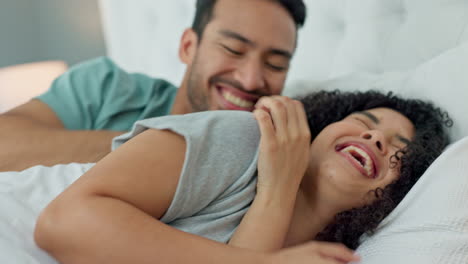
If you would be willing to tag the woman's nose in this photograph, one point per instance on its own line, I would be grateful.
(377, 138)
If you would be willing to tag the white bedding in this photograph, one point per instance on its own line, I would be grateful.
(22, 196)
(429, 226)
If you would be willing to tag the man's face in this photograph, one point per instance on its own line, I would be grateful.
(244, 53)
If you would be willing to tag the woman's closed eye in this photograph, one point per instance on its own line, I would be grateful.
(364, 123)
(398, 145)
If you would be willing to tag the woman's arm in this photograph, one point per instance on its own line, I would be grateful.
(283, 159)
(110, 214)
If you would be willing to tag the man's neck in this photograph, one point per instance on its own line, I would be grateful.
(181, 105)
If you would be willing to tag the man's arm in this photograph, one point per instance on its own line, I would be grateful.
(32, 134)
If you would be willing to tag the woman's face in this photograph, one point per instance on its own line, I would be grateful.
(351, 157)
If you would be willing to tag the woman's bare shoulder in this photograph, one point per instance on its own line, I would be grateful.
(143, 172)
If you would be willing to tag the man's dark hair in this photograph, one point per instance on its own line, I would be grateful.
(323, 108)
(204, 13)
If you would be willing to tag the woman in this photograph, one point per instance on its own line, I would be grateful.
(212, 175)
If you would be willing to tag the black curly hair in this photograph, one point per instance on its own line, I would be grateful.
(324, 107)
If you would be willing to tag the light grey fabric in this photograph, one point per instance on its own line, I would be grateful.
(218, 179)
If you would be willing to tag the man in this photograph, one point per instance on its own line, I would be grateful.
(235, 52)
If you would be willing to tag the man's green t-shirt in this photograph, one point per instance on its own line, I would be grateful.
(98, 95)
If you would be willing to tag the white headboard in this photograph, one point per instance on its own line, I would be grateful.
(340, 36)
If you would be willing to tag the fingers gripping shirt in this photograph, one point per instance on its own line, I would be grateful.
(218, 179)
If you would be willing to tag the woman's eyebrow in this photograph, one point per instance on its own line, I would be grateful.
(370, 116)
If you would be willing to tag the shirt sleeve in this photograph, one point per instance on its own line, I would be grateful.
(99, 95)
(220, 162)
(218, 180)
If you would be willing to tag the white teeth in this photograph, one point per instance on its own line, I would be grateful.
(368, 164)
(236, 100)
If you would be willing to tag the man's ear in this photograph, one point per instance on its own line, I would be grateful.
(188, 46)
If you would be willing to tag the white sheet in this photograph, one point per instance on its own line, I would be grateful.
(430, 225)
(22, 197)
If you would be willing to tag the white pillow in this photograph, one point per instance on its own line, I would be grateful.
(442, 80)
(430, 225)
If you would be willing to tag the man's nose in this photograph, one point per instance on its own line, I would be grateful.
(251, 75)
(377, 138)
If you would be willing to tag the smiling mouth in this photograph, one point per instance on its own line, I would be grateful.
(235, 100)
(359, 158)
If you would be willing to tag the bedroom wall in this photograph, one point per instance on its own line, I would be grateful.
(32, 30)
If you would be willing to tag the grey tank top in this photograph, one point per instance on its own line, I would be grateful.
(218, 180)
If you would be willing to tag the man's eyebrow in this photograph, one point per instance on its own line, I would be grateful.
(377, 121)
(234, 35)
(237, 36)
(283, 53)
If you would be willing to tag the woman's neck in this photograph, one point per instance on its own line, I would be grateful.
(311, 215)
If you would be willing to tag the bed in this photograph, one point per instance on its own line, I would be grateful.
(417, 48)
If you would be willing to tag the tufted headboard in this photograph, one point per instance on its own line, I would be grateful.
(340, 36)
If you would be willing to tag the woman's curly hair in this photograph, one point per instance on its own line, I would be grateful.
(323, 108)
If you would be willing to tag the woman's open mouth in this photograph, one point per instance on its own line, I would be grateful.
(360, 157)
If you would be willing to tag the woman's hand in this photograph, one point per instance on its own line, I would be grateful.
(315, 253)
(283, 159)
(284, 144)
